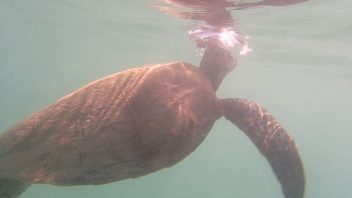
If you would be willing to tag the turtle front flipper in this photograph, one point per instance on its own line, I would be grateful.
(272, 141)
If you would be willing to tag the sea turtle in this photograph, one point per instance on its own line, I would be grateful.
(135, 122)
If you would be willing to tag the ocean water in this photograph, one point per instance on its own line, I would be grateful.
(300, 70)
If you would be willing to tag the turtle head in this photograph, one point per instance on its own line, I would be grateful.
(217, 62)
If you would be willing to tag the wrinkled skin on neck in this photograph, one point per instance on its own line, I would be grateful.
(216, 63)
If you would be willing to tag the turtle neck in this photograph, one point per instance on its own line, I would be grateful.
(216, 63)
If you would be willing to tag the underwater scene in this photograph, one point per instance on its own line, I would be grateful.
(115, 99)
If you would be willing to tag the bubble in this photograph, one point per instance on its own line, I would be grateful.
(228, 38)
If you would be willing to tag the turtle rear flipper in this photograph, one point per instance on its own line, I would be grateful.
(272, 141)
(10, 188)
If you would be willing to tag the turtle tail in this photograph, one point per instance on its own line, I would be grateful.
(272, 141)
(11, 188)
